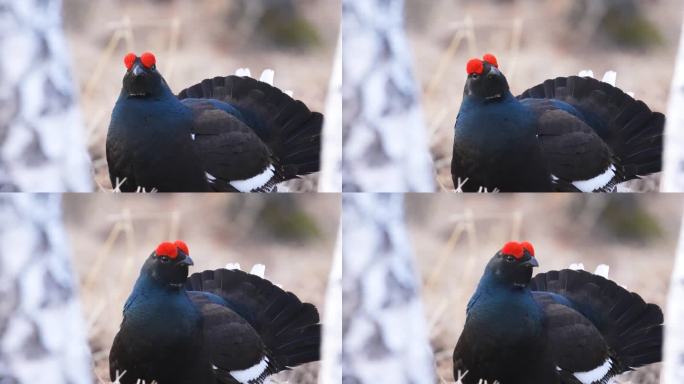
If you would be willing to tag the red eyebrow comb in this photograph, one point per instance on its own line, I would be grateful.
(148, 60)
(475, 66)
(167, 249)
(491, 59)
(129, 60)
(513, 248)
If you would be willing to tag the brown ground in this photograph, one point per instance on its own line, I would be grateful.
(109, 249)
(205, 44)
(548, 47)
(454, 236)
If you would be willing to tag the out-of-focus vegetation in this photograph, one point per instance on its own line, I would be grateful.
(621, 22)
(624, 217)
(280, 217)
(278, 22)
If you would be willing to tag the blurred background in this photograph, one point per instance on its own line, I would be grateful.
(111, 237)
(535, 40)
(454, 236)
(195, 40)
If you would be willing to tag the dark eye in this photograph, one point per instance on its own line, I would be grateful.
(510, 258)
(475, 76)
(164, 259)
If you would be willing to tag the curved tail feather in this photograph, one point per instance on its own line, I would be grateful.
(286, 125)
(289, 328)
(631, 129)
(632, 328)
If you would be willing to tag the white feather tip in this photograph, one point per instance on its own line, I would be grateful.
(610, 77)
(267, 76)
(243, 72)
(233, 266)
(258, 270)
(602, 270)
(577, 267)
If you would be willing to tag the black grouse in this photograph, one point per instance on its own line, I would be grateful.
(215, 327)
(226, 134)
(569, 134)
(562, 327)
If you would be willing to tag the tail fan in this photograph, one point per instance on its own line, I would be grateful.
(632, 328)
(289, 128)
(631, 129)
(288, 327)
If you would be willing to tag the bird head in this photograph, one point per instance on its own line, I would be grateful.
(169, 264)
(485, 81)
(142, 80)
(512, 265)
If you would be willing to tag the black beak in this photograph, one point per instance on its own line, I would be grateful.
(186, 261)
(494, 72)
(531, 262)
(137, 69)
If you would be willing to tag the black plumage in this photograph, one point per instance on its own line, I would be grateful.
(224, 134)
(566, 134)
(630, 326)
(561, 327)
(221, 326)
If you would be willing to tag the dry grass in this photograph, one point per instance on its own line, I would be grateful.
(533, 43)
(192, 41)
(112, 235)
(454, 237)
